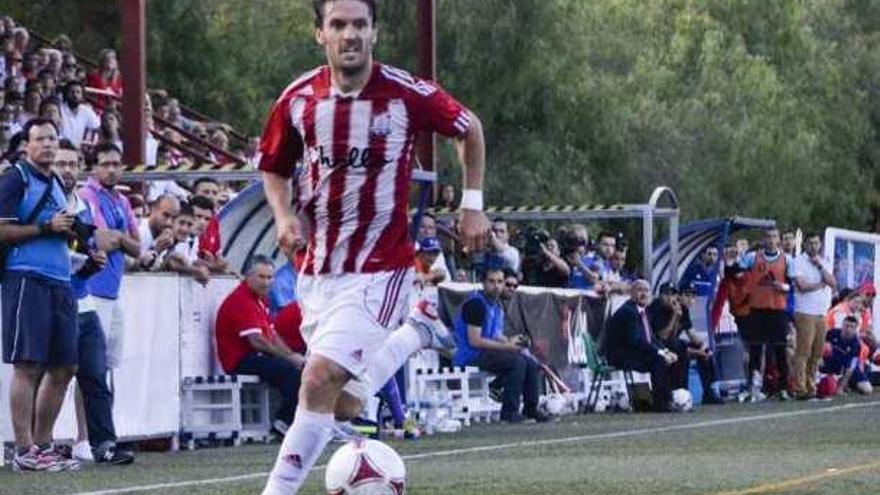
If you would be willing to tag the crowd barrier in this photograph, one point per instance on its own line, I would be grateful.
(169, 324)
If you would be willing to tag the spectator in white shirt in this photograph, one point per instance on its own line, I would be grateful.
(184, 258)
(813, 282)
(155, 231)
(79, 122)
(499, 242)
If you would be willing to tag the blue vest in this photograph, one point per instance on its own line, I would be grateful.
(107, 282)
(493, 327)
(46, 255)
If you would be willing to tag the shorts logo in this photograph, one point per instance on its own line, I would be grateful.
(358, 355)
(294, 460)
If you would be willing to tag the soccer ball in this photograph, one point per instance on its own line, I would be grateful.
(682, 400)
(365, 467)
(554, 404)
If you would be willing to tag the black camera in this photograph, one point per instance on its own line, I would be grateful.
(529, 241)
(81, 231)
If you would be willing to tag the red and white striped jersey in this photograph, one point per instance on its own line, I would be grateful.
(356, 152)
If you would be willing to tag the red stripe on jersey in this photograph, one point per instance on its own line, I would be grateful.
(309, 124)
(394, 249)
(341, 127)
(367, 202)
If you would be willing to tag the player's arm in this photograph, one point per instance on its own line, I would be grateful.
(277, 349)
(281, 147)
(471, 148)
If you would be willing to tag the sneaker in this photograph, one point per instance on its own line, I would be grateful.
(783, 396)
(30, 460)
(539, 416)
(280, 426)
(757, 396)
(82, 451)
(114, 456)
(344, 432)
(54, 460)
(424, 316)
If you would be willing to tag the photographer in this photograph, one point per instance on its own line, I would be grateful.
(39, 307)
(94, 408)
(479, 335)
(542, 264)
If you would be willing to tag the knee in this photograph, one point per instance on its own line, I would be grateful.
(864, 388)
(321, 380)
(63, 375)
(30, 372)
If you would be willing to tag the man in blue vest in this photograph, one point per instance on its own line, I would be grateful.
(479, 335)
(39, 307)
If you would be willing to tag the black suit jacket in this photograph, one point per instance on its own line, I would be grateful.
(625, 338)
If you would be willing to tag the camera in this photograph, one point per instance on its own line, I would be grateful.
(529, 241)
(81, 231)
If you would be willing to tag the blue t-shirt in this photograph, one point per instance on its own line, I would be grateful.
(476, 310)
(283, 290)
(701, 277)
(21, 188)
(844, 352)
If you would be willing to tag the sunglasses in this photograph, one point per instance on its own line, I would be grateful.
(511, 285)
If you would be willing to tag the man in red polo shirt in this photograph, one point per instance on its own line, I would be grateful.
(247, 343)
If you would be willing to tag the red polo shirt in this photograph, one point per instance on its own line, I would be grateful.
(242, 313)
(287, 326)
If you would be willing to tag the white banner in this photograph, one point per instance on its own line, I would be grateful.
(169, 325)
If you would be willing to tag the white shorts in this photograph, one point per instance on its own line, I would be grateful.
(347, 317)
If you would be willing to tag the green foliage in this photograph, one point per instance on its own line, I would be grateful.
(746, 107)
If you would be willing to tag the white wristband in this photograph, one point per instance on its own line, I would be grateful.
(472, 199)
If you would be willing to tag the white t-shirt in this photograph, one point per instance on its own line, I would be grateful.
(189, 249)
(511, 255)
(146, 235)
(80, 125)
(817, 302)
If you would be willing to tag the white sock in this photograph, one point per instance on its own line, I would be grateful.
(405, 341)
(303, 444)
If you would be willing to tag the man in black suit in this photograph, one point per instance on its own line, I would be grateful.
(629, 343)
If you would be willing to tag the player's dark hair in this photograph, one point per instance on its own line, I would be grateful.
(493, 269)
(202, 202)
(811, 234)
(204, 180)
(37, 122)
(186, 209)
(105, 147)
(851, 319)
(606, 233)
(319, 10)
(65, 144)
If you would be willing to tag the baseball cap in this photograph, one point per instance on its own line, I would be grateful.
(428, 245)
(668, 289)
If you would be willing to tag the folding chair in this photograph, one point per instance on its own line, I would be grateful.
(601, 373)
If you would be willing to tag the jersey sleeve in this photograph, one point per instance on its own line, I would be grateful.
(439, 112)
(281, 145)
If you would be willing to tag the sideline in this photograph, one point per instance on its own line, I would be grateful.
(530, 443)
(795, 482)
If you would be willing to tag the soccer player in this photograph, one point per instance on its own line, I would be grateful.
(352, 123)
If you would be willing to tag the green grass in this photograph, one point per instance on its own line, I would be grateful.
(689, 457)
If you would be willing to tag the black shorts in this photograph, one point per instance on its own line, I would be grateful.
(39, 321)
(765, 326)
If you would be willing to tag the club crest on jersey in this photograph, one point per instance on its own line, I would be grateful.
(380, 126)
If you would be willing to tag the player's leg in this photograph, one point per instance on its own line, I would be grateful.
(312, 427)
(422, 328)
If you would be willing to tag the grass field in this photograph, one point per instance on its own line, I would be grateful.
(802, 448)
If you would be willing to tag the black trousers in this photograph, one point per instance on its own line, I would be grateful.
(679, 370)
(768, 327)
(518, 374)
(92, 379)
(661, 375)
(279, 373)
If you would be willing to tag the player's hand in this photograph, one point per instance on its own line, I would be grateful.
(473, 226)
(290, 234)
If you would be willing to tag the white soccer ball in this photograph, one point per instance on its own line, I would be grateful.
(555, 403)
(365, 467)
(682, 400)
